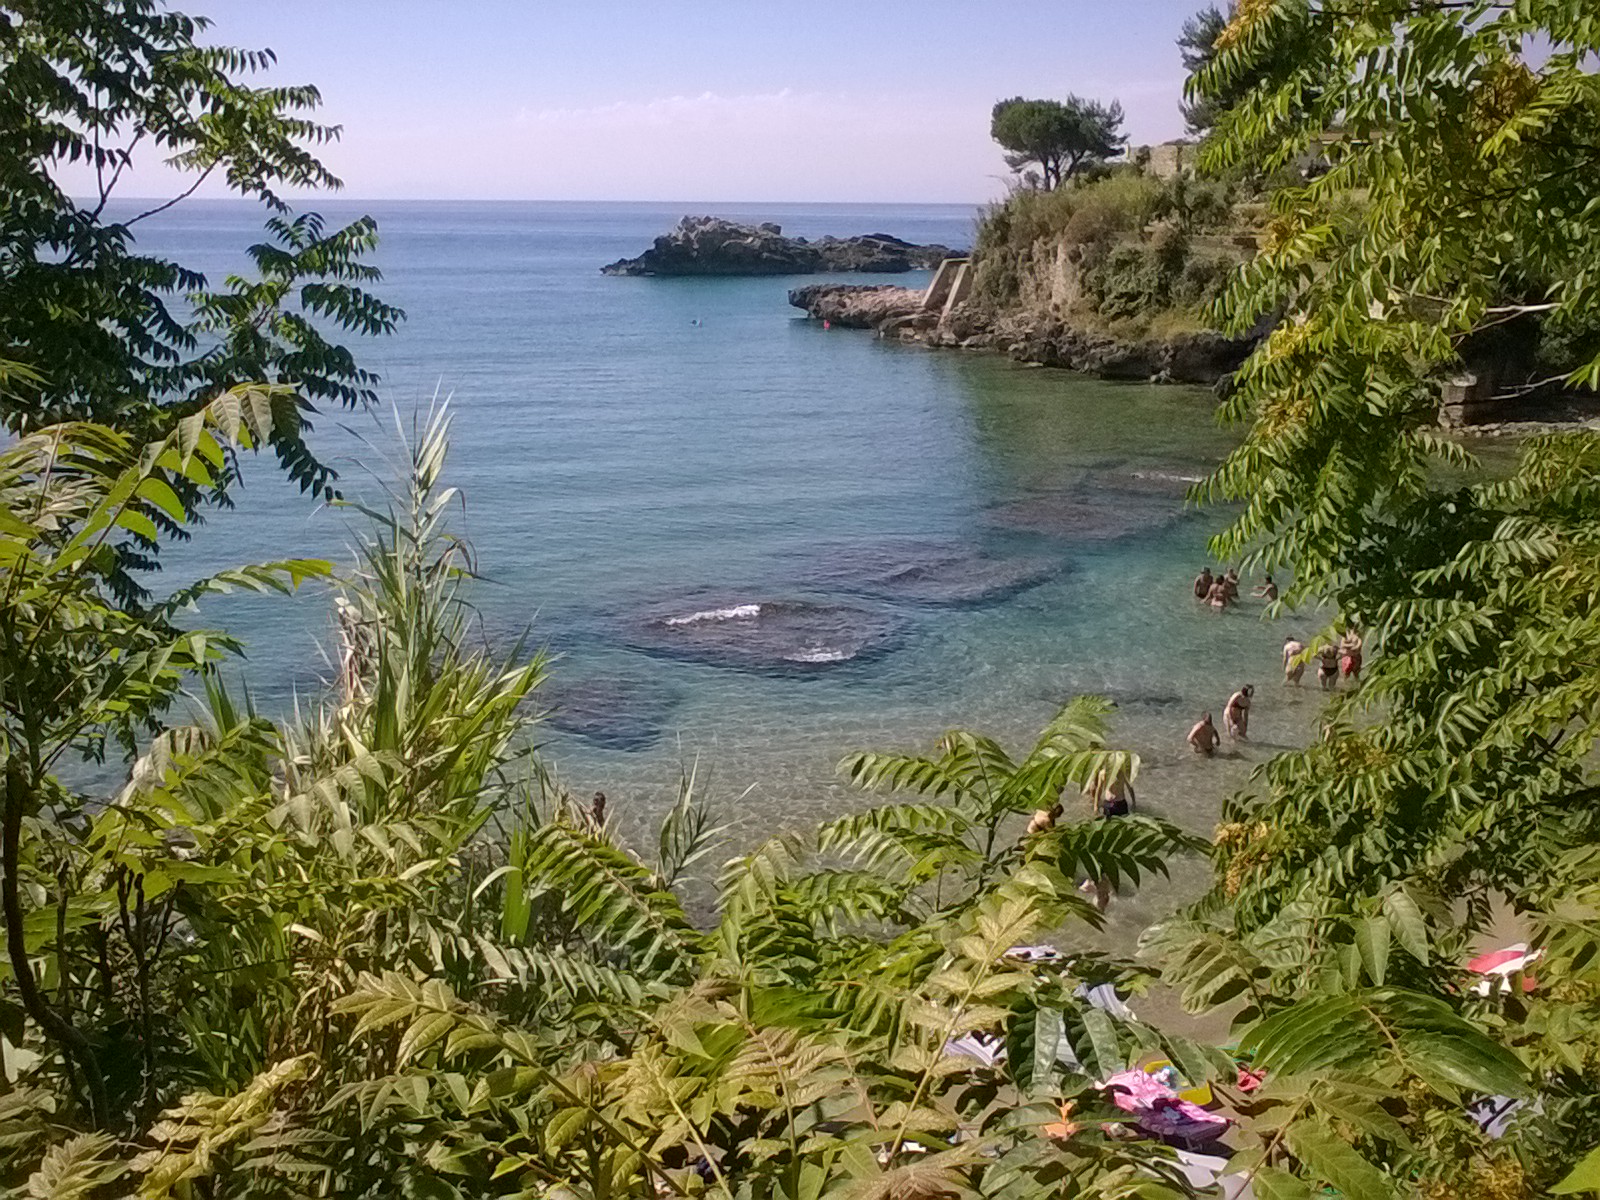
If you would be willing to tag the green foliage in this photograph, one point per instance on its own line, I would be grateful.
(1213, 92)
(1061, 136)
(1197, 45)
(103, 85)
(1456, 785)
(377, 949)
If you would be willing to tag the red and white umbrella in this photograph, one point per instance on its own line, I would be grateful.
(1498, 966)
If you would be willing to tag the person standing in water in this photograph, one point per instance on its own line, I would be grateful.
(1293, 648)
(1217, 595)
(1117, 798)
(1204, 737)
(1266, 590)
(1328, 667)
(1202, 583)
(1043, 820)
(1236, 716)
(1230, 585)
(1350, 655)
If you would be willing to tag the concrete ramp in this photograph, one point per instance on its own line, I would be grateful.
(951, 284)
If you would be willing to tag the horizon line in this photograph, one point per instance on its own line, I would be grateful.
(334, 196)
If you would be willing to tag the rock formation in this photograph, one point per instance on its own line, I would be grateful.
(1195, 357)
(857, 305)
(713, 246)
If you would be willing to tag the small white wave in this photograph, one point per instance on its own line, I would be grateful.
(1168, 477)
(736, 612)
(819, 655)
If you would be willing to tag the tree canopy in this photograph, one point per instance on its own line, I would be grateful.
(113, 334)
(1458, 782)
(1209, 93)
(1059, 136)
(1197, 45)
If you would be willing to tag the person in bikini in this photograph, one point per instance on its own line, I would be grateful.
(1204, 737)
(1236, 716)
(1328, 667)
(1217, 596)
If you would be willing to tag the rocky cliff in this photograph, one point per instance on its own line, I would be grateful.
(713, 246)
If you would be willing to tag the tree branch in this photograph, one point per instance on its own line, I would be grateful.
(54, 1025)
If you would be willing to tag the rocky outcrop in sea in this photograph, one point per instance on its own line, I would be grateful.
(857, 305)
(713, 246)
(1200, 356)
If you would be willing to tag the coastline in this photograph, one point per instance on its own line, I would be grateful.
(1200, 357)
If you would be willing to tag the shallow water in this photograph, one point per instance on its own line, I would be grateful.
(934, 539)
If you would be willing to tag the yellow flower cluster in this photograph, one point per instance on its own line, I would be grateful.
(1246, 16)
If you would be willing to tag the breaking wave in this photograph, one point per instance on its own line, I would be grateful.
(734, 612)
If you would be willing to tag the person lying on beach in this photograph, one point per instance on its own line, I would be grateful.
(1204, 737)
(1328, 667)
(1236, 716)
(1266, 590)
(1203, 582)
(1293, 648)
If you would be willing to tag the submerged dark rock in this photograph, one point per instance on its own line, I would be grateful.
(786, 636)
(713, 246)
(1096, 511)
(617, 712)
(933, 573)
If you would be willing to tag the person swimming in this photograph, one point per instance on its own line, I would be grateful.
(1236, 716)
(1203, 582)
(1293, 648)
(1204, 737)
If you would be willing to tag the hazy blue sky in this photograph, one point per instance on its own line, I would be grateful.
(713, 100)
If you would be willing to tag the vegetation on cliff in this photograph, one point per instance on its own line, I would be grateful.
(1124, 251)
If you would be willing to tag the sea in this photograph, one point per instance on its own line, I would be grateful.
(751, 545)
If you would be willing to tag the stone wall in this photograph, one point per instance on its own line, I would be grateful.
(1166, 161)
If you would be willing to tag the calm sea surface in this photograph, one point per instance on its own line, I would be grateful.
(935, 539)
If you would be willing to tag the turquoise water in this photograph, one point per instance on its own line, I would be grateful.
(634, 451)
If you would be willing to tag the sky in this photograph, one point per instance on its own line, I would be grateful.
(714, 100)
